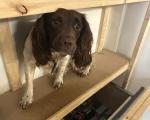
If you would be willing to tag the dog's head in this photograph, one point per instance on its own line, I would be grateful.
(64, 31)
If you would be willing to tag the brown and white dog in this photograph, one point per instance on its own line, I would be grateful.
(56, 39)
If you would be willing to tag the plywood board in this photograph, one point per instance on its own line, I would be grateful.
(134, 1)
(103, 28)
(8, 52)
(15, 8)
(55, 104)
(142, 109)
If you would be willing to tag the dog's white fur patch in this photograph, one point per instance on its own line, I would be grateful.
(61, 70)
(81, 70)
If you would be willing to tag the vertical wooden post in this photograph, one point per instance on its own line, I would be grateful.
(103, 28)
(120, 28)
(139, 44)
(9, 56)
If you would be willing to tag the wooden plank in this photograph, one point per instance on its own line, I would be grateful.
(55, 104)
(9, 55)
(138, 47)
(44, 6)
(135, 1)
(137, 104)
(120, 28)
(100, 30)
(142, 109)
(15, 8)
(103, 28)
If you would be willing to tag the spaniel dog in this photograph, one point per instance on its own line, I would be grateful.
(56, 39)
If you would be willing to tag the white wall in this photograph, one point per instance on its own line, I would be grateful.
(130, 29)
(134, 18)
(131, 26)
(141, 74)
(114, 24)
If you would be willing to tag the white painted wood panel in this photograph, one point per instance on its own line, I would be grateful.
(133, 20)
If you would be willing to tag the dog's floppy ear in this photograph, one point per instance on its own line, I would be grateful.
(82, 56)
(40, 41)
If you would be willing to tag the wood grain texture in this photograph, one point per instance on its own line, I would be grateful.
(100, 29)
(142, 109)
(54, 104)
(135, 1)
(9, 55)
(138, 47)
(120, 28)
(43, 6)
(103, 28)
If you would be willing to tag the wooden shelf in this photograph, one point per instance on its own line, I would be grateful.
(14, 8)
(55, 104)
(133, 1)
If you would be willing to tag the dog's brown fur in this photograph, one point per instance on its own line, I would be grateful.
(53, 29)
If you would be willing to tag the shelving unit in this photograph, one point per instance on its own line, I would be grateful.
(54, 104)
(43, 6)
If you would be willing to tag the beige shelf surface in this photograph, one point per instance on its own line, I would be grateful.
(15, 8)
(54, 104)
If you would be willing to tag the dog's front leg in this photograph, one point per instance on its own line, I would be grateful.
(62, 64)
(29, 75)
(82, 71)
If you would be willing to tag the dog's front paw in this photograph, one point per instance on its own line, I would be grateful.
(58, 83)
(85, 71)
(26, 101)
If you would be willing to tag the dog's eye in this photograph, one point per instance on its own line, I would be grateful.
(77, 27)
(56, 22)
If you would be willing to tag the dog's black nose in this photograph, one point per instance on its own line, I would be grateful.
(68, 43)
